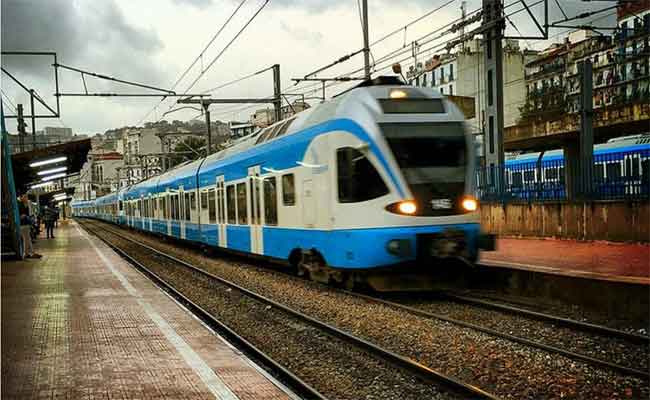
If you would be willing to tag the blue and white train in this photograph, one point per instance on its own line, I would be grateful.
(621, 170)
(373, 186)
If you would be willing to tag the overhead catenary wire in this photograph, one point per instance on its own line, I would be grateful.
(218, 56)
(199, 57)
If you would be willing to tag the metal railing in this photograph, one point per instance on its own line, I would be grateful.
(615, 176)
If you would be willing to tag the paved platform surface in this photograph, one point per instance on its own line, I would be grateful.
(80, 323)
(624, 262)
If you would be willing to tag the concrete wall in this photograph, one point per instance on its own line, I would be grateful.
(607, 220)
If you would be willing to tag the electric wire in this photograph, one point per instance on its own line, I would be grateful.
(199, 57)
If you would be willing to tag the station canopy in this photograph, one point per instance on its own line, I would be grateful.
(67, 158)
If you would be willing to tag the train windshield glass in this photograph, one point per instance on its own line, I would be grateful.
(427, 145)
(433, 158)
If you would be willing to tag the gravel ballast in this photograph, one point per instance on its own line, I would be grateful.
(507, 369)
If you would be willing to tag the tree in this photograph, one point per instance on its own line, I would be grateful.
(192, 144)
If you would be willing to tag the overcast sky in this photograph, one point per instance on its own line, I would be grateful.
(153, 42)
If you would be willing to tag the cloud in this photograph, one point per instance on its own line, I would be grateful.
(195, 3)
(75, 31)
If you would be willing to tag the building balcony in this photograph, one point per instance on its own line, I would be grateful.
(628, 115)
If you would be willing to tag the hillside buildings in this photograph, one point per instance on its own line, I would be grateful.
(620, 62)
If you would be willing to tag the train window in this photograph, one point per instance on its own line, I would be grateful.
(242, 212)
(187, 206)
(599, 172)
(230, 194)
(550, 173)
(204, 199)
(212, 212)
(613, 171)
(161, 207)
(121, 205)
(632, 166)
(517, 182)
(288, 190)
(270, 201)
(219, 203)
(193, 200)
(561, 174)
(645, 171)
(529, 176)
(358, 180)
(412, 106)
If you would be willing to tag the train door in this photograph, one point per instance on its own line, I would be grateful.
(255, 201)
(308, 203)
(168, 212)
(181, 211)
(142, 213)
(150, 208)
(632, 173)
(221, 212)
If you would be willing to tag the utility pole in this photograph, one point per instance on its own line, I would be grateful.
(277, 93)
(366, 45)
(494, 25)
(21, 127)
(586, 138)
(31, 99)
(206, 111)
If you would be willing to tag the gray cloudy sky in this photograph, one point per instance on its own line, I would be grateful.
(154, 41)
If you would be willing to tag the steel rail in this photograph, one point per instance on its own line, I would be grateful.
(528, 342)
(377, 351)
(293, 382)
(586, 326)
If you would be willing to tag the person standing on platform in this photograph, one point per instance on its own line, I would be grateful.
(26, 226)
(49, 216)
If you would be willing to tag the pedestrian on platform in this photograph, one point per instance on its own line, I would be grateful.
(26, 223)
(49, 216)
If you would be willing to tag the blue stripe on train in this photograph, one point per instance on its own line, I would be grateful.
(353, 248)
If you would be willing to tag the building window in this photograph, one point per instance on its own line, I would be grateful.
(232, 204)
(242, 211)
(442, 75)
(433, 78)
(288, 190)
(270, 201)
(490, 88)
(424, 79)
(212, 211)
(358, 180)
(451, 90)
(442, 90)
(451, 72)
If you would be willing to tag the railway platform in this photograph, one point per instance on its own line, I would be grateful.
(598, 260)
(80, 323)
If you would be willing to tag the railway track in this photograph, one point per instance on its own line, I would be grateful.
(601, 330)
(451, 386)
(554, 319)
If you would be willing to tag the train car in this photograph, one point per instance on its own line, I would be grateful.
(621, 169)
(374, 186)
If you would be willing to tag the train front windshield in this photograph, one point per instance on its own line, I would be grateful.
(433, 159)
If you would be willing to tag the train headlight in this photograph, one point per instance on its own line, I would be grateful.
(398, 94)
(407, 207)
(469, 204)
